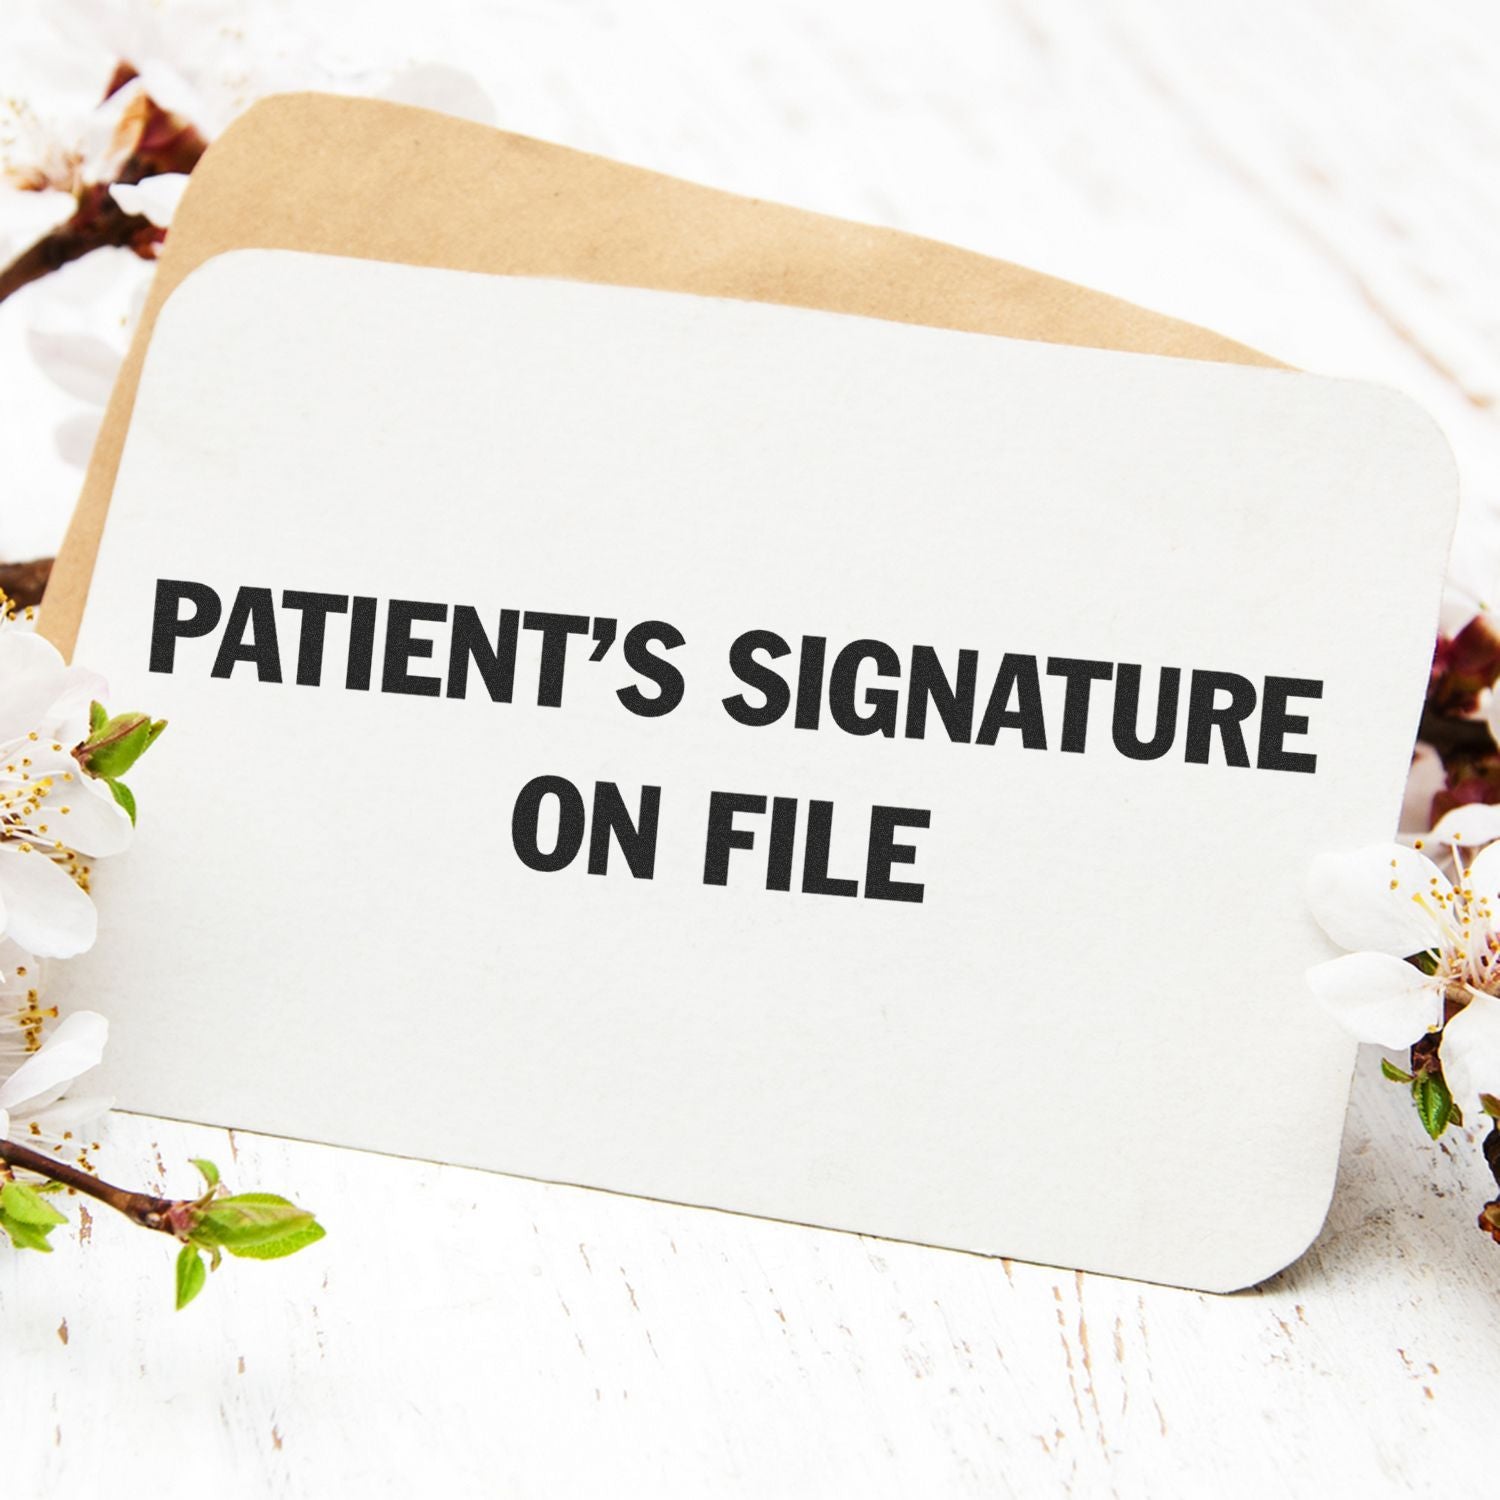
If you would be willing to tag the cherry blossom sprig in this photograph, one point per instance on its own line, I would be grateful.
(136, 169)
(1421, 917)
(1422, 973)
(63, 802)
(254, 1226)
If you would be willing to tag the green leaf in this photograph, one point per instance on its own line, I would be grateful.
(289, 1244)
(1434, 1103)
(1392, 1072)
(156, 732)
(1427, 962)
(23, 1203)
(208, 1169)
(98, 717)
(123, 795)
(1490, 1105)
(115, 749)
(26, 1217)
(25, 1236)
(249, 1220)
(191, 1274)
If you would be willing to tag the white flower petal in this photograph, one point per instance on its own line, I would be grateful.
(1470, 1051)
(32, 676)
(1423, 782)
(93, 295)
(75, 1114)
(26, 217)
(78, 363)
(67, 717)
(94, 824)
(34, 760)
(1470, 826)
(1481, 877)
(437, 86)
(44, 910)
(19, 971)
(76, 1046)
(110, 133)
(34, 1108)
(1378, 998)
(154, 197)
(1369, 900)
(74, 437)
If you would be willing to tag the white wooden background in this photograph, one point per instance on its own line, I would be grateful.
(1316, 178)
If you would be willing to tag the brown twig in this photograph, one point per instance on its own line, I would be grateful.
(98, 223)
(49, 254)
(149, 1212)
(1453, 737)
(24, 583)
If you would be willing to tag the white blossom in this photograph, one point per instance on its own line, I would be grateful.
(41, 1058)
(52, 814)
(155, 198)
(1389, 904)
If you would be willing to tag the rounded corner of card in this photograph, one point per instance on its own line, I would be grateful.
(1288, 1234)
(1401, 424)
(220, 277)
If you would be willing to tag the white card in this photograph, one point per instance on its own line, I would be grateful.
(1088, 1043)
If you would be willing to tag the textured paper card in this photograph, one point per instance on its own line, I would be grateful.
(400, 878)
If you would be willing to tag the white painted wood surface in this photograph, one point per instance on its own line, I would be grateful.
(1317, 179)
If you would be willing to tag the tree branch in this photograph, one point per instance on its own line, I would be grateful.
(163, 1214)
(1452, 737)
(24, 583)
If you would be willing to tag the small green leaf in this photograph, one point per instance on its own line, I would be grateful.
(289, 1244)
(156, 732)
(123, 795)
(23, 1203)
(1490, 1105)
(249, 1220)
(191, 1274)
(1434, 1103)
(1392, 1072)
(98, 717)
(25, 1236)
(113, 750)
(26, 1217)
(1427, 962)
(208, 1169)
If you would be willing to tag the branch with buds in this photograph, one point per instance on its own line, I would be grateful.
(257, 1226)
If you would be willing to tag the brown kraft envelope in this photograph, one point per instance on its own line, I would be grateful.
(379, 181)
